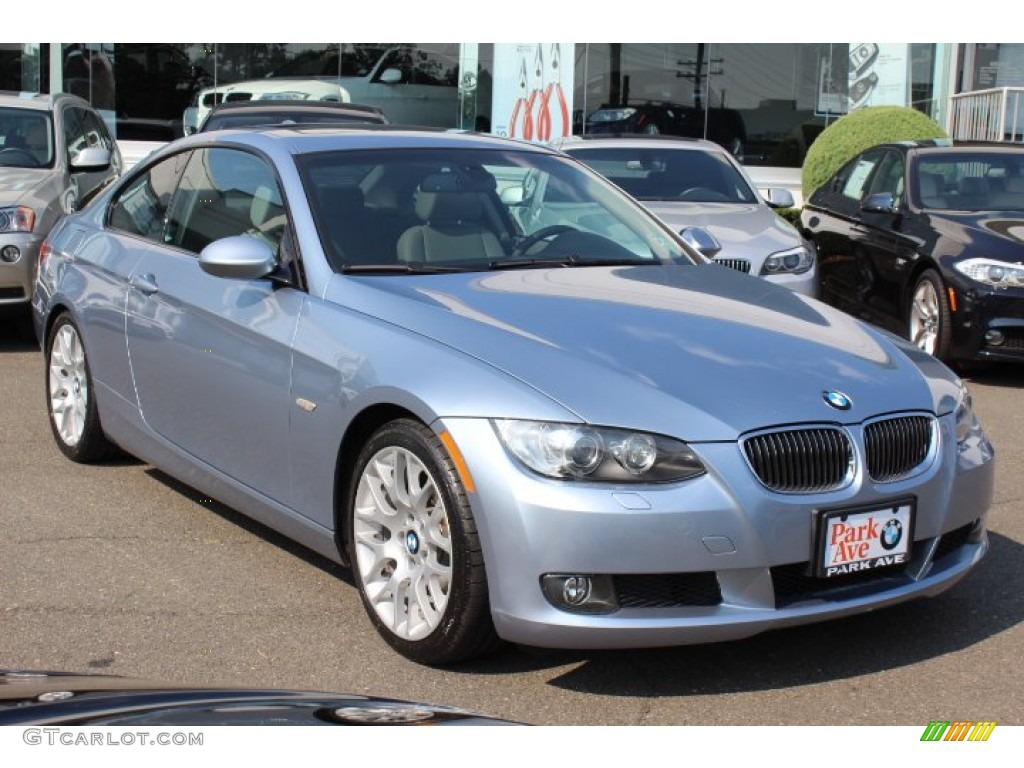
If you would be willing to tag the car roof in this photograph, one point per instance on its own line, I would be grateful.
(302, 138)
(290, 105)
(276, 111)
(42, 102)
(570, 143)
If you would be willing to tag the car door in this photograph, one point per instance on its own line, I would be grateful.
(887, 253)
(211, 356)
(834, 221)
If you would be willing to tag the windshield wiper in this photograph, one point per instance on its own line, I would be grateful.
(397, 269)
(573, 260)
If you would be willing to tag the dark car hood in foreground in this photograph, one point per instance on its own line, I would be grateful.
(51, 698)
(700, 352)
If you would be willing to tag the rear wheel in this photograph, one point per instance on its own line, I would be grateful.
(71, 401)
(415, 552)
(928, 325)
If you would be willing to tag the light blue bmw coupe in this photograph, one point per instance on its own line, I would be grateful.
(519, 406)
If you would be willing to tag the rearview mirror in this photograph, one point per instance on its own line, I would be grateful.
(513, 195)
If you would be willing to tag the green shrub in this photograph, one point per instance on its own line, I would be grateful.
(858, 131)
(792, 215)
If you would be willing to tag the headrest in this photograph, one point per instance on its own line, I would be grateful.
(929, 185)
(438, 207)
(266, 204)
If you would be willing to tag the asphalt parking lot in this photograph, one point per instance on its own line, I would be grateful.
(120, 569)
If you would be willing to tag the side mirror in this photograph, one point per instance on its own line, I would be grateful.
(91, 159)
(883, 202)
(242, 257)
(779, 198)
(513, 195)
(701, 240)
(391, 76)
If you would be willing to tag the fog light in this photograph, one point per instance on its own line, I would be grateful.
(10, 254)
(580, 593)
(994, 338)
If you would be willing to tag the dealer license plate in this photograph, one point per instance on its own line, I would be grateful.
(863, 539)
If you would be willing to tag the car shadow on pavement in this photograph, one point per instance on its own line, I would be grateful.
(987, 602)
(254, 527)
(997, 375)
(16, 334)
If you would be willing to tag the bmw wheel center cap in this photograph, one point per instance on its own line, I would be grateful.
(838, 400)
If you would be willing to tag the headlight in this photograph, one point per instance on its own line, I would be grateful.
(17, 219)
(992, 272)
(966, 422)
(792, 262)
(600, 454)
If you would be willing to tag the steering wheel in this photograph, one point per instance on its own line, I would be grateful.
(21, 152)
(542, 234)
(706, 195)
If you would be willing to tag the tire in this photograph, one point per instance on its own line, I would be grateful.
(415, 553)
(929, 317)
(70, 397)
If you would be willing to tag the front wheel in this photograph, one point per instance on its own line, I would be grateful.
(928, 325)
(71, 401)
(414, 548)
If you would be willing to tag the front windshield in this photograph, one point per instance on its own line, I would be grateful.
(668, 173)
(472, 209)
(970, 181)
(26, 138)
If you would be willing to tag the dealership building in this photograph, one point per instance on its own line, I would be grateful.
(765, 102)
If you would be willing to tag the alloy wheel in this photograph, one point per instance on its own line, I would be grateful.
(69, 385)
(402, 543)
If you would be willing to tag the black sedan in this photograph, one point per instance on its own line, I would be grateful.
(926, 239)
(29, 698)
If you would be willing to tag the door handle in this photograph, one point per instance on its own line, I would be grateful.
(145, 283)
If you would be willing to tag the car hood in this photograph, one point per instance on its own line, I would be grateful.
(699, 352)
(57, 698)
(1005, 228)
(751, 231)
(16, 184)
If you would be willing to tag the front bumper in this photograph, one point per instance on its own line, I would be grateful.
(981, 310)
(16, 278)
(715, 558)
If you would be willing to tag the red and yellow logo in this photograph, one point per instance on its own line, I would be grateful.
(958, 730)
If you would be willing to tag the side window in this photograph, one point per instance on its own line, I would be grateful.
(858, 175)
(141, 207)
(889, 177)
(224, 193)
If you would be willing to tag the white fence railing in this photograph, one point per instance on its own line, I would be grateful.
(996, 114)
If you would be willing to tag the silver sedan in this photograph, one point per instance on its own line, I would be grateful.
(553, 424)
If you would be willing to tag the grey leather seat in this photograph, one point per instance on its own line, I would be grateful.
(452, 226)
